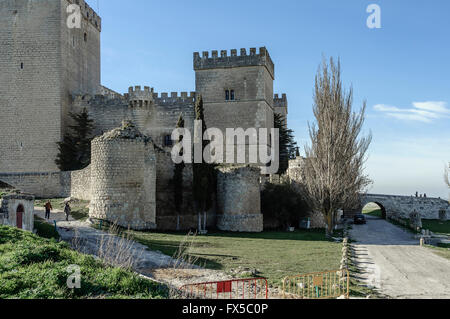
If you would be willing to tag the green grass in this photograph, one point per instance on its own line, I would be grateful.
(35, 268)
(44, 229)
(441, 251)
(274, 254)
(373, 210)
(437, 226)
(57, 203)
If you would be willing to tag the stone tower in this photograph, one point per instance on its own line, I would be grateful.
(237, 89)
(123, 178)
(42, 62)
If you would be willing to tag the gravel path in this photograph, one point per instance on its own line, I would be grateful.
(118, 250)
(392, 261)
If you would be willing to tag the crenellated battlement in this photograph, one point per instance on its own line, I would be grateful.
(280, 101)
(88, 13)
(225, 60)
(140, 98)
(174, 98)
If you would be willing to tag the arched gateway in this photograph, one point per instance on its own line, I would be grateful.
(401, 206)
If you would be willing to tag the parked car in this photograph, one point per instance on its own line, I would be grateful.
(360, 219)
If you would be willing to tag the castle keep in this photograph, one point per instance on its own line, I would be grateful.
(48, 70)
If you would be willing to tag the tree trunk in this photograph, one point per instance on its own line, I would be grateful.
(330, 225)
(199, 222)
(204, 220)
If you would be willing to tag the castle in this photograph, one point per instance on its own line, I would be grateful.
(49, 70)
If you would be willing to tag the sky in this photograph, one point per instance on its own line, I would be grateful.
(401, 69)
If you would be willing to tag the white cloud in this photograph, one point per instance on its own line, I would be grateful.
(421, 111)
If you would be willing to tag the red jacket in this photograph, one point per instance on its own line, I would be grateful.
(48, 206)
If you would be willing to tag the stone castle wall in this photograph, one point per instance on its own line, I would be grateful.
(123, 179)
(239, 199)
(249, 76)
(41, 62)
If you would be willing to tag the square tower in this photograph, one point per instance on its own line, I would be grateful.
(42, 62)
(237, 90)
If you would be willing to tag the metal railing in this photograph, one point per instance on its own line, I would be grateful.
(254, 288)
(320, 285)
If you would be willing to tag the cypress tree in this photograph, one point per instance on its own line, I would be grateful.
(75, 149)
(204, 173)
(288, 146)
(178, 175)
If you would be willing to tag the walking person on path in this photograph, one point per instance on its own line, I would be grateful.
(67, 211)
(48, 209)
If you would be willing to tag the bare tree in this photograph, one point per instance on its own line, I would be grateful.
(335, 159)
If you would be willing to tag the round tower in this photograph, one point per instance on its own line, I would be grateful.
(239, 199)
(123, 178)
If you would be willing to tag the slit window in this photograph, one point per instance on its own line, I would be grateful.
(21, 65)
(85, 37)
(168, 140)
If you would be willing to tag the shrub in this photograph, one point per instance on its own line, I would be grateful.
(283, 203)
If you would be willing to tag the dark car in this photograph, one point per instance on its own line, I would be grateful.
(360, 219)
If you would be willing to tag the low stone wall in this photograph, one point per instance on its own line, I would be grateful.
(184, 222)
(241, 223)
(317, 220)
(80, 184)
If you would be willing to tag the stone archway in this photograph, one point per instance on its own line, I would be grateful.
(374, 209)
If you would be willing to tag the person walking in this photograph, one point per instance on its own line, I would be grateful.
(67, 211)
(48, 209)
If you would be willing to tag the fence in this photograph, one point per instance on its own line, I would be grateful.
(321, 285)
(254, 288)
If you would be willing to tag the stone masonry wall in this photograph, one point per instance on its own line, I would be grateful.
(239, 199)
(8, 211)
(30, 85)
(122, 179)
(250, 76)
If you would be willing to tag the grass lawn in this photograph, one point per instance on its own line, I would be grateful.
(35, 268)
(79, 208)
(274, 254)
(437, 226)
(441, 251)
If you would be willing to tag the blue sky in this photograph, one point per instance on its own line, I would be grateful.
(402, 69)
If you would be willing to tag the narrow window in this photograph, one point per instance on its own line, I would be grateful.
(85, 37)
(168, 140)
(21, 65)
(232, 95)
(227, 95)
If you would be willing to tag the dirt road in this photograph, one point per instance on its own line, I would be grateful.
(392, 261)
